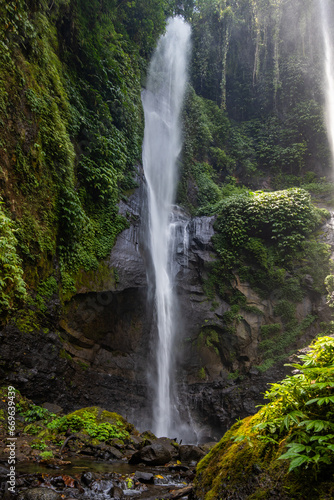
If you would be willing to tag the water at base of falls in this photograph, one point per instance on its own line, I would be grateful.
(162, 102)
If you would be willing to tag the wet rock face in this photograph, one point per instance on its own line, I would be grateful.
(106, 333)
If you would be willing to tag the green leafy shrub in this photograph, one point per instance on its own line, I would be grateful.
(272, 329)
(12, 285)
(285, 310)
(283, 217)
(36, 412)
(38, 444)
(302, 408)
(88, 422)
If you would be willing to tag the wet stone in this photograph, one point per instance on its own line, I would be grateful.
(189, 453)
(155, 454)
(87, 478)
(116, 493)
(144, 477)
(40, 494)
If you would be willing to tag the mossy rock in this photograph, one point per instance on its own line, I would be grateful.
(102, 416)
(250, 469)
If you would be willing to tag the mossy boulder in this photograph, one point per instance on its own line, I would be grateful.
(95, 422)
(250, 469)
(102, 416)
(286, 450)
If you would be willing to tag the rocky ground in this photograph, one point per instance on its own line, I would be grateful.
(90, 454)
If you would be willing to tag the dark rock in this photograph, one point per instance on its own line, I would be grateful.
(3, 471)
(117, 443)
(183, 492)
(144, 477)
(190, 453)
(148, 436)
(115, 453)
(116, 493)
(254, 371)
(178, 468)
(138, 442)
(171, 445)
(154, 454)
(87, 478)
(308, 280)
(101, 485)
(40, 494)
(53, 408)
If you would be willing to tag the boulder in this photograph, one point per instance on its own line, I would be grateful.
(87, 478)
(40, 494)
(154, 454)
(189, 453)
(116, 493)
(144, 477)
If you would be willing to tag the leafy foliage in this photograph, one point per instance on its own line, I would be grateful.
(70, 84)
(285, 217)
(302, 408)
(35, 412)
(288, 443)
(12, 285)
(87, 422)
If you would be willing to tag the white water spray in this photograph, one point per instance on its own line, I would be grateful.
(329, 75)
(162, 102)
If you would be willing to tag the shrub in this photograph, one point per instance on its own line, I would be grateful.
(12, 285)
(302, 408)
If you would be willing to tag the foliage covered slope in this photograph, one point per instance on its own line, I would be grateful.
(286, 450)
(71, 129)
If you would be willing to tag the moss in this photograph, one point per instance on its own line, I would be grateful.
(102, 278)
(84, 366)
(251, 460)
(28, 321)
(65, 355)
(232, 465)
(98, 416)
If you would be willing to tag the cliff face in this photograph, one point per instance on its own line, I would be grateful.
(75, 305)
(104, 349)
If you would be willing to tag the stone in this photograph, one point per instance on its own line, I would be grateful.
(116, 493)
(206, 447)
(144, 477)
(189, 453)
(87, 478)
(40, 494)
(154, 454)
(3, 471)
(53, 408)
(254, 372)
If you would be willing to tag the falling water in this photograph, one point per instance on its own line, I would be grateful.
(329, 74)
(162, 102)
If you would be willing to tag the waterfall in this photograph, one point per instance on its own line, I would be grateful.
(329, 74)
(162, 102)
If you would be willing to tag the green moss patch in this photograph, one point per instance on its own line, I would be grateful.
(287, 447)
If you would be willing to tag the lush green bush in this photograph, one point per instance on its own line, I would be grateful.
(12, 285)
(282, 217)
(87, 422)
(302, 408)
(287, 446)
(35, 412)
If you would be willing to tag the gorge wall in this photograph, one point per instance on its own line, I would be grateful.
(75, 307)
(100, 351)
